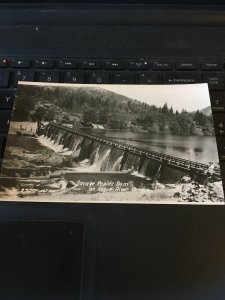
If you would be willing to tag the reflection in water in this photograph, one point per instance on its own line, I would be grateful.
(195, 148)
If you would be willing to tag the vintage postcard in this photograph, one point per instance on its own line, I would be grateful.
(112, 144)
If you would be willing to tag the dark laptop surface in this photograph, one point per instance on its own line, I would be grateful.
(128, 251)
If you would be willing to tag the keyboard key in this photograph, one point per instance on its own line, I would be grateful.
(4, 78)
(98, 77)
(215, 80)
(74, 77)
(91, 65)
(2, 145)
(5, 117)
(182, 77)
(217, 101)
(221, 147)
(186, 66)
(23, 75)
(138, 65)
(123, 78)
(20, 63)
(68, 64)
(212, 66)
(44, 64)
(6, 99)
(162, 65)
(3, 62)
(150, 78)
(115, 65)
(49, 76)
(219, 123)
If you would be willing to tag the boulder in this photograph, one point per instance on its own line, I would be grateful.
(160, 186)
(185, 179)
(177, 195)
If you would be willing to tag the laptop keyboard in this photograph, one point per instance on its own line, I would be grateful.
(117, 71)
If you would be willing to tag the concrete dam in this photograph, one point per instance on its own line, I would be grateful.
(105, 155)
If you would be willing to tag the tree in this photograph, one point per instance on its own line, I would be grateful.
(193, 129)
(89, 116)
(209, 128)
(200, 118)
(23, 107)
(185, 122)
(39, 114)
(175, 128)
(171, 110)
(165, 109)
(50, 115)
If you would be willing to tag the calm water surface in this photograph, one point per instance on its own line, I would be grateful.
(196, 148)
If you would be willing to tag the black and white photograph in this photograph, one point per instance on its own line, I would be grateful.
(112, 144)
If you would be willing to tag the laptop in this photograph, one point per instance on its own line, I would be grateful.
(114, 251)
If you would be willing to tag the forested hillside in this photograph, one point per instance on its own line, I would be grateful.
(87, 106)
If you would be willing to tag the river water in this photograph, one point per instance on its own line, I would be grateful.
(196, 148)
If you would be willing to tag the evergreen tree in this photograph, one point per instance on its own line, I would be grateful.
(165, 109)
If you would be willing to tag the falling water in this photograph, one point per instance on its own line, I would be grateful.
(47, 142)
(103, 161)
(144, 167)
(116, 166)
(77, 142)
(92, 155)
(130, 161)
(95, 156)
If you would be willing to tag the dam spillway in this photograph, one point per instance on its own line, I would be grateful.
(105, 155)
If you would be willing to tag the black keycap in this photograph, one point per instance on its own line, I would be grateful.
(219, 122)
(20, 63)
(221, 147)
(74, 77)
(115, 65)
(2, 145)
(186, 66)
(150, 78)
(91, 65)
(5, 117)
(3, 62)
(23, 75)
(44, 64)
(215, 80)
(212, 65)
(4, 78)
(49, 76)
(98, 77)
(68, 64)
(123, 78)
(182, 77)
(138, 65)
(217, 101)
(162, 65)
(6, 99)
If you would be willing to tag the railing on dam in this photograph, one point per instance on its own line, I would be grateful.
(169, 159)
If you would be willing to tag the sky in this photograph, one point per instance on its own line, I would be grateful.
(190, 97)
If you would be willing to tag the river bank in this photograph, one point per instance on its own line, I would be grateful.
(106, 188)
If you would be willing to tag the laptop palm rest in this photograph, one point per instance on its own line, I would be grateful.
(41, 260)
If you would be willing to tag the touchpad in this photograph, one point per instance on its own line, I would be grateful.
(41, 260)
